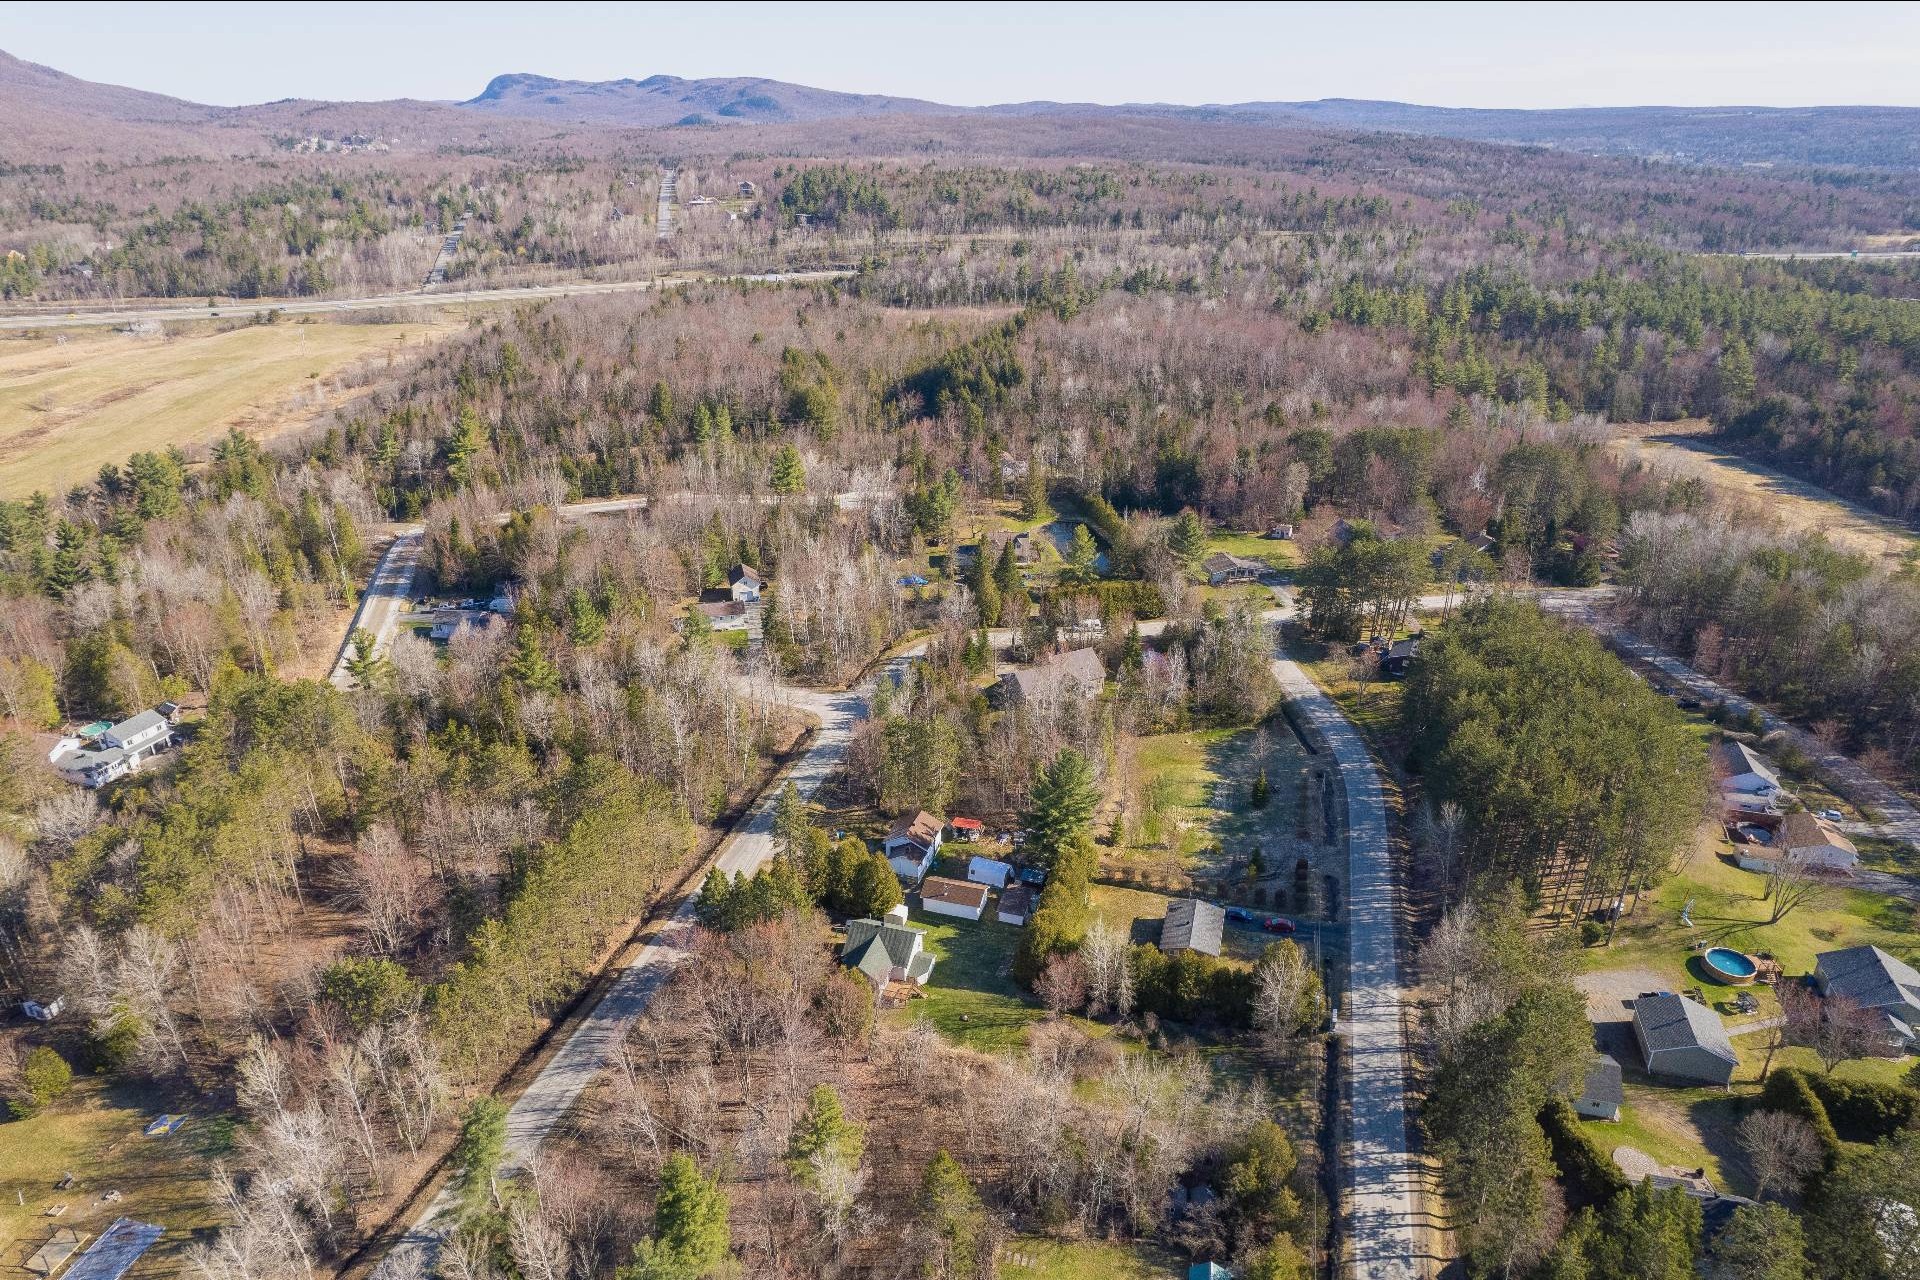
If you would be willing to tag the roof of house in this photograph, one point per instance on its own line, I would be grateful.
(744, 573)
(1222, 562)
(1076, 666)
(1602, 1087)
(1869, 977)
(1736, 758)
(1016, 900)
(958, 892)
(878, 947)
(132, 727)
(1804, 831)
(1675, 1022)
(1194, 925)
(919, 826)
(1404, 649)
(723, 608)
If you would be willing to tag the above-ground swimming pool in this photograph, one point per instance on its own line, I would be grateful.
(1734, 968)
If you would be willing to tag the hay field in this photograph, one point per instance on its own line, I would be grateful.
(68, 406)
(1681, 449)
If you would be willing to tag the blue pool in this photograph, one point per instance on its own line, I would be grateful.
(1734, 968)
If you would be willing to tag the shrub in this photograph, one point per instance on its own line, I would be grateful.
(45, 1077)
(1862, 1111)
(1590, 1174)
(1791, 1090)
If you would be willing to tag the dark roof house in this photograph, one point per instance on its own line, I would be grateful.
(1193, 925)
(1682, 1038)
(1222, 568)
(1077, 670)
(1873, 979)
(887, 950)
(1601, 1093)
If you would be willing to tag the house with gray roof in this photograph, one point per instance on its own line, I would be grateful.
(1744, 771)
(1683, 1039)
(1874, 980)
(884, 951)
(1075, 671)
(118, 750)
(1193, 925)
(1222, 569)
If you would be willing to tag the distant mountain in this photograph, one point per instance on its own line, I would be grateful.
(1864, 137)
(28, 86)
(669, 100)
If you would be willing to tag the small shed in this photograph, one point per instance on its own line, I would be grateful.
(1601, 1095)
(989, 871)
(967, 829)
(1193, 925)
(941, 896)
(1016, 904)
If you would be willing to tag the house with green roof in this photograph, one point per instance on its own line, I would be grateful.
(888, 950)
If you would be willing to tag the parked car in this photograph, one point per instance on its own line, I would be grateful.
(1831, 815)
(1277, 924)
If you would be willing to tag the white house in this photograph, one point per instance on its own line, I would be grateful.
(989, 871)
(911, 844)
(943, 897)
(118, 751)
(887, 950)
(745, 584)
(1816, 842)
(724, 615)
(1744, 771)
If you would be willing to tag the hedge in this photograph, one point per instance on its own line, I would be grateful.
(1791, 1090)
(1590, 1174)
(1862, 1111)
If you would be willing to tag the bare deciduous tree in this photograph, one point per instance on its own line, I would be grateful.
(1783, 1150)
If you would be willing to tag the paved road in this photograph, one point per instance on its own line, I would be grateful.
(1863, 255)
(1380, 1178)
(383, 603)
(382, 302)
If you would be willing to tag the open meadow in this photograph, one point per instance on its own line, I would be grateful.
(72, 402)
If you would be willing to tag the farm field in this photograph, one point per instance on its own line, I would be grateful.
(1741, 482)
(69, 403)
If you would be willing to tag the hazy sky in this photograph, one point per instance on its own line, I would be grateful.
(1489, 55)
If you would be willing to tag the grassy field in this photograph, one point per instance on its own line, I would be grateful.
(96, 1133)
(1034, 1258)
(71, 402)
(971, 998)
(1137, 913)
(1738, 482)
(1253, 546)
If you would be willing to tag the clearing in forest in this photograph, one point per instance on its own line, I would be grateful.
(1684, 450)
(70, 402)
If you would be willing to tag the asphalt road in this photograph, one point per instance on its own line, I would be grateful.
(1380, 1179)
(378, 302)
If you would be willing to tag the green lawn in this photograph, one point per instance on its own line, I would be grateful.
(1684, 1128)
(1253, 546)
(1727, 909)
(1035, 1258)
(96, 1133)
(971, 998)
(1136, 913)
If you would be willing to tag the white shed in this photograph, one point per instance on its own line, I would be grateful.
(989, 871)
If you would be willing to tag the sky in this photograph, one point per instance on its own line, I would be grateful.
(1470, 55)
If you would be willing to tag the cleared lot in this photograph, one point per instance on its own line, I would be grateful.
(70, 402)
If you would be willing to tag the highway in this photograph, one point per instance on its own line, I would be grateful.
(257, 309)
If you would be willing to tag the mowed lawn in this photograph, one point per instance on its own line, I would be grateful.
(1036, 1258)
(971, 998)
(68, 406)
(96, 1132)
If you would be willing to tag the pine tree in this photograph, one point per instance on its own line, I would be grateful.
(874, 889)
(660, 404)
(789, 473)
(789, 820)
(1014, 601)
(1083, 558)
(1262, 791)
(690, 1236)
(986, 592)
(1189, 538)
(823, 1133)
(950, 1208)
(482, 1145)
(1064, 798)
(468, 438)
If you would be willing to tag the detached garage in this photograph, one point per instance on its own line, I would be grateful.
(1683, 1040)
(943, 897)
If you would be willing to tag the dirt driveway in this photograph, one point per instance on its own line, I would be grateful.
(1610, 994)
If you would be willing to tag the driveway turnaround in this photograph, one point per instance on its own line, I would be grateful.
(1380, 1183)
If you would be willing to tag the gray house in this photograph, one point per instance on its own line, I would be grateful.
(1078, 671)
(114, 752)
(1193, 925)
(1683, 1039)
(1874, 980)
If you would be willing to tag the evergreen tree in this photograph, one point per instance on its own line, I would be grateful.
(482, 1145)
(824, 1134)
(690, 1238)
(986, 591)
(1262, 792)
(1083, 558)
(874, 889)
(1012, 588)
(790, 823)
(1761, 1242)
(951, 1210)
(1033, 493)
(660, 404)
(585, 623)
(1064, 798)
(1188, 540)
(789, 473)
(530, 667)
(468, 438)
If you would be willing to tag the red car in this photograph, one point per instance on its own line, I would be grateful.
(1277, 924)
